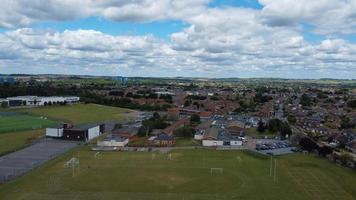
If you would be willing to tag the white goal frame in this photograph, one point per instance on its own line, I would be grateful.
(216, 170)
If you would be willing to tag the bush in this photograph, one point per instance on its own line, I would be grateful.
(185, 131)
(195, 119)
(308, 144)
(352, 103)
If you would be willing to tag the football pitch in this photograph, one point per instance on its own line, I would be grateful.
(184, 174)
(82, 113)
(11, 122)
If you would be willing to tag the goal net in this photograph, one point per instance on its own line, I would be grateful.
(216, 171)
(73, 162)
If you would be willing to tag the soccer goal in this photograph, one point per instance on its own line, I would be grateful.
(97, 155)
(72, 163)
(216, 171)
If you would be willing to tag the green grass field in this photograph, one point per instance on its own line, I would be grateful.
(20, 122)
(13, 141)
(140, 175)
(83, 113)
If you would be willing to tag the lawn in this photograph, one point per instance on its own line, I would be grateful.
(147, 175)
(83, 113)
(181, 142)
(13, 141)
(10, 122)
(254, 132)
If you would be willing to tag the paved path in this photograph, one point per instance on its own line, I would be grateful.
(18, 163)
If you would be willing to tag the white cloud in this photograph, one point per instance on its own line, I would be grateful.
(328, 16)
(226, 41)
(229, 54)
(15, 13)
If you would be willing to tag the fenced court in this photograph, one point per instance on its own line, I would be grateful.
(181, 174)
(18, 163)
(12, 121)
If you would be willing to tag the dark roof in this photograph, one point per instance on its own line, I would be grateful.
(116, 138)
(165, 137)
(83, 127)
(211, 133)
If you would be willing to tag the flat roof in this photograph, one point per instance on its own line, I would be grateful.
(84, 126)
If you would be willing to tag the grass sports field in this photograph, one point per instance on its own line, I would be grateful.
(147, 175)
(11, 122)
(82, 113)
(13, 141)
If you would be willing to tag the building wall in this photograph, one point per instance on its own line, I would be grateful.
(77, 135)
(54, 132)
(198, 137)
(40, 101)
(212, 143)
(113, 143)
(93, 132)
(235, 143)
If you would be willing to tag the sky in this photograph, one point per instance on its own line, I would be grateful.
(170, 38)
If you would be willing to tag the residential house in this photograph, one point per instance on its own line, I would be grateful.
(113, 141)
(162, 140)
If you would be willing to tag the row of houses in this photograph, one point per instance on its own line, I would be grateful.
(215, 137)
(39, 101)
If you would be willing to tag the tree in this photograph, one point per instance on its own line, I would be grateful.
(261, 126)
(214, 98)
(156, 116)
(187, 103)
(305, 100)
(346, 123)
(185, 131)
(117, 126)
(274, 125)
(4, 104)
(143, 131)
(195, 119)
(352, 103)
(260, 98)
(325, 150)
(285, 130)
(291, 119)
(308, 144)
(196, 104)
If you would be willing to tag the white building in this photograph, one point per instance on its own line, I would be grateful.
(213, 143)
(54, 132)
(113, 141)
(40, 101)
(199, 135)
(211, 138)
(215, 137)
(236, 143)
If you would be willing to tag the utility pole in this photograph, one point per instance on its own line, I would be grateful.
(275, 169)
(78, 161)
(73, 168)
(271, 166)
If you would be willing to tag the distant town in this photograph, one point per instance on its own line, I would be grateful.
(269, 117)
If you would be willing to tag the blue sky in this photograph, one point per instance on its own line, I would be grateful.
(217, 38)
(162, 28)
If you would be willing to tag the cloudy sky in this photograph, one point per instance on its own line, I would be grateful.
(194, 38)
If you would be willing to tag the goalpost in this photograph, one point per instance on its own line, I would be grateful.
(97, 155)
(216, 171)
(72, 163)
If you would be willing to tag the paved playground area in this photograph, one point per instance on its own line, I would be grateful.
(18, 163)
